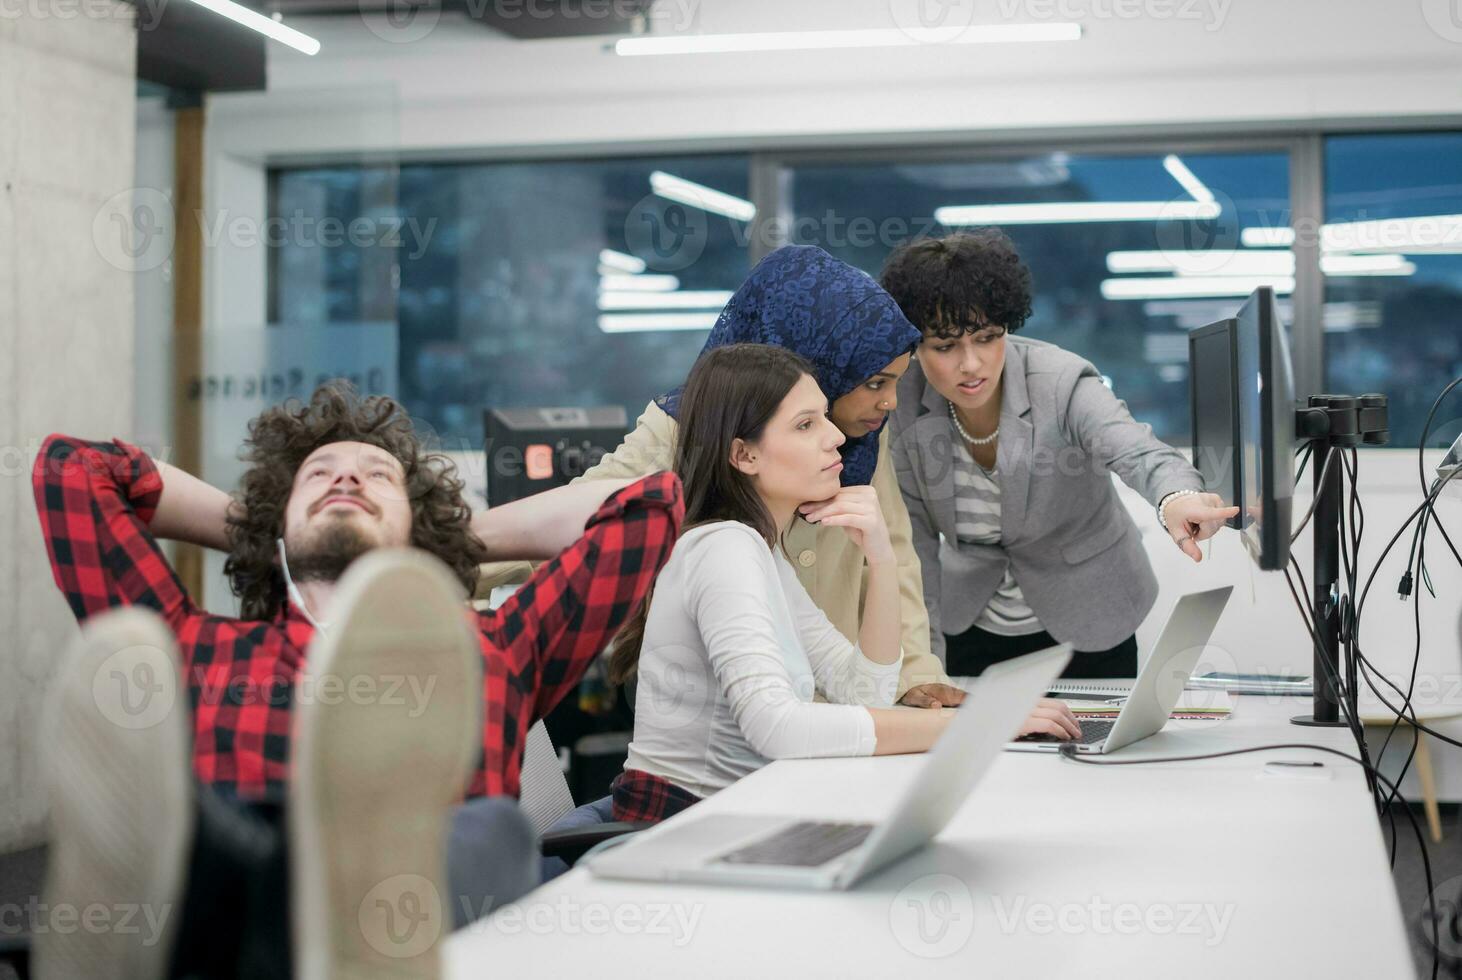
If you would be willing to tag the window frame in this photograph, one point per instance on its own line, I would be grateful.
(771, 163)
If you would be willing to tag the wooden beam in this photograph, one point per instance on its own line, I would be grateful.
(188, 319)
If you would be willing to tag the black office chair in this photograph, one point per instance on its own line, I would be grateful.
(15, 953)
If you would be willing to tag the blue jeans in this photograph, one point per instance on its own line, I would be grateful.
(492, 857)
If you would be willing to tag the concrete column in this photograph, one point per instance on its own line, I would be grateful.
(67, 130)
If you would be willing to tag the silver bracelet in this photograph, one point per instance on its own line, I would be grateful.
(1162, 517)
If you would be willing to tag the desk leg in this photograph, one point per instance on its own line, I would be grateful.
(1428, 787)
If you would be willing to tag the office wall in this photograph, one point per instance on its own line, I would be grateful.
(66, 344)
(444, 88)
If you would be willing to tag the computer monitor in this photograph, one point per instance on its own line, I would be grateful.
(1242, 400)
(1213, 359)
(530, 450)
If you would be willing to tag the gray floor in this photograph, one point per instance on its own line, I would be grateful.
(20, 877)
(1446, 861)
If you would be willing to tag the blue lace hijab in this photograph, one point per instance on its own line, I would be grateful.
(839, 319)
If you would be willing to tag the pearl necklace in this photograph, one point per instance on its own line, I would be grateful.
(985, 441)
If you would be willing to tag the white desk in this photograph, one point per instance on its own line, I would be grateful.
(1051, 869)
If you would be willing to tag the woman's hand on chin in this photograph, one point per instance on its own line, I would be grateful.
(855, 510)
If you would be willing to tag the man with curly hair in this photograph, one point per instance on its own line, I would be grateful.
(330, 482)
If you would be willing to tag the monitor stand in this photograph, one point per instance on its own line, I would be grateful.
(1333, 422)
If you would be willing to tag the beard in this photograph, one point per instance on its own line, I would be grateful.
(324, 555)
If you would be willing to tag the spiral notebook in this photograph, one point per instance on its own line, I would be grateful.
(1116, 686)
(1103, 699)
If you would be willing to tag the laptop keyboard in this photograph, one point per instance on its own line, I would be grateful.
(1091, 733)
(802, 845)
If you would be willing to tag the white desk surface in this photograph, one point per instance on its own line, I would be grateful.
(1051, 869)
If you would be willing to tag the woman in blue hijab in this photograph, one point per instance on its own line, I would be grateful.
(840, 321)
(858, 342)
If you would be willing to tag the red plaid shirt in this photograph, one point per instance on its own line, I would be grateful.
(97, 499)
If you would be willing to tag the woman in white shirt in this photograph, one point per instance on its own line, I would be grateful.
(732, 650)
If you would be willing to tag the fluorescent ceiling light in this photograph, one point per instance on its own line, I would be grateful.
(1342, 317)
(824, 40)
(612, 282)
(1426, 233)
(1366, 265)
(1423, 248)
(267, 26)
(1266, 237)
(700, 196)
(1214, 262)
(679, 300)
(1184, 286)
(1074, 212)
(621, 261)
(1236, 262)
(1195, 187)
(636, 322)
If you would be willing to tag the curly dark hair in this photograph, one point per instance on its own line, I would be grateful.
(282, 437)
(960, 283)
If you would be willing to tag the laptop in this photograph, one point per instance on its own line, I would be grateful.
(790, 853)
(1159, 685)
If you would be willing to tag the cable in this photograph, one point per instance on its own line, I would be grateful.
(1068, 752)
(1421, 459)
(1406, 711)
(1324, 472)
(1344, 699)
(1308, 449)
(1367, 668)
(1360, 609)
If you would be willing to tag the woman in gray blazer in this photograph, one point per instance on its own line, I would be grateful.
(1004, 449)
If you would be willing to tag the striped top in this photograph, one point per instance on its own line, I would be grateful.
(977, 521)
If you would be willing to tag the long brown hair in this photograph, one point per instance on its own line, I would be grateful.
(731, 394)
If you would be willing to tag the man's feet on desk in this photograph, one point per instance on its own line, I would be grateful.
(375, 777)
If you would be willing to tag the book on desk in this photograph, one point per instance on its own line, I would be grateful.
(1104, 699)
